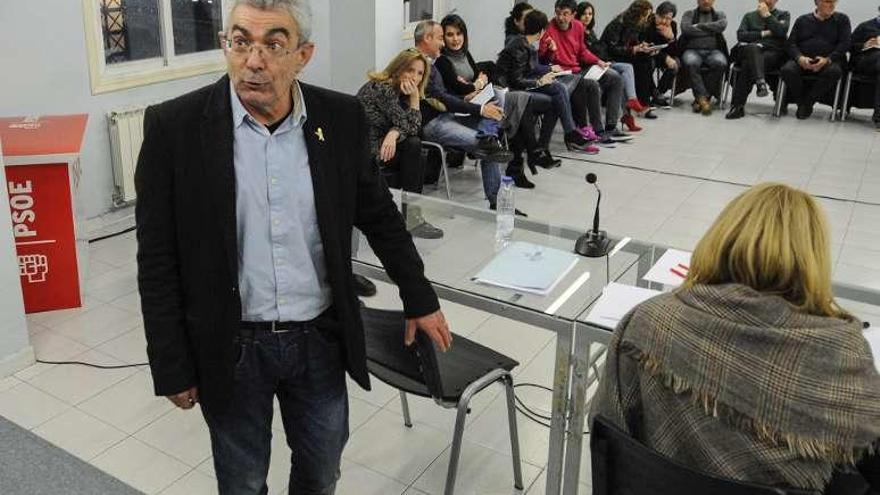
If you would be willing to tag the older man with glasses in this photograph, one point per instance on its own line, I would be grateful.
(247, 193)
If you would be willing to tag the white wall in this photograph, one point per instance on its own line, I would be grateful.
(47, 73)
(16, 352)
(485, 22)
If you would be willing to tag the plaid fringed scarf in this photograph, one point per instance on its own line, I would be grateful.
(742, 385)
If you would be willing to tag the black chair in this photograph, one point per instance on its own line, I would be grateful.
(859, 79)
(780, 97)
(451, 378)
(624, 466)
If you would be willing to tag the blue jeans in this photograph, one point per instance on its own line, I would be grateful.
(561, 97)
(304, 368)
(629, 79)
(463, 134)
(694, 61)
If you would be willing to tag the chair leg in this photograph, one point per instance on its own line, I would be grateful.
(674, 88)
(780, 98)
(847, 93)
(445, 170)
(455, 450)
(404, 405)
(514, 434)
(836, 106)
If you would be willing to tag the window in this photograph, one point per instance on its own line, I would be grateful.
(419, 10)
(137, 42)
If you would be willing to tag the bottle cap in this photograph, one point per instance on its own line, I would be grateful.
(507, 179)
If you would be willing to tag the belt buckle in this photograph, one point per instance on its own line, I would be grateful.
(275, 330)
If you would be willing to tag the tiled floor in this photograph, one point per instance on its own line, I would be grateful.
(666, 187)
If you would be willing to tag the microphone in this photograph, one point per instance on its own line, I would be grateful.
(595, 243)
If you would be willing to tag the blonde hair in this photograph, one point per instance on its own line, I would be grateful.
(774, 239)
(391, 74)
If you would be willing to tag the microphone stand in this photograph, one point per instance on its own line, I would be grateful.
(595, 243)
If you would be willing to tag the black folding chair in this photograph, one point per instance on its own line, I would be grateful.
(624, 466)
(451, 379)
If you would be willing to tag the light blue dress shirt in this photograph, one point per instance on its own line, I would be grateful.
(282, 274)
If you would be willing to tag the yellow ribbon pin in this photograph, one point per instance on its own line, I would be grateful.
(320, 134)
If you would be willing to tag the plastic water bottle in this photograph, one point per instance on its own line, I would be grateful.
(505, 213)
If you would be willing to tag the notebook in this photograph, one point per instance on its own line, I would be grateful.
(527, 267)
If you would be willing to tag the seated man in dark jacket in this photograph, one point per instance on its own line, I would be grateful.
(702, 42)
(818, 44)
(762, 36)
(866, 57)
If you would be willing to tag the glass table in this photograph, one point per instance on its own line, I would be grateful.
(468, 245)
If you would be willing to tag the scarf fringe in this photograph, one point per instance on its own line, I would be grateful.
(804, 447)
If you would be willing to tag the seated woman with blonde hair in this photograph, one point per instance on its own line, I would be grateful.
(392, 99)
(750, 371)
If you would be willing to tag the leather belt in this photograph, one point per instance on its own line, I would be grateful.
(273, 326)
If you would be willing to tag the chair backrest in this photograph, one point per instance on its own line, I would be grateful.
(384, 332)
(624, 466)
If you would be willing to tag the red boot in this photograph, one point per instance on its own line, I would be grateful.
(630, 122)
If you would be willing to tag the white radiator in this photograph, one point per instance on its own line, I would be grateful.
(126, 135)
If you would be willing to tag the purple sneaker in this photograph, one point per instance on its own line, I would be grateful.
(588, 133)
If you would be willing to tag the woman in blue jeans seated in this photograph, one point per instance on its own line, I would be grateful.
(520, 69)
(751, 371)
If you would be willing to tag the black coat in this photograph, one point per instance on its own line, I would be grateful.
(186, 229)
(518, 65)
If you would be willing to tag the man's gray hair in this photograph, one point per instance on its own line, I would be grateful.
(300, 10)
(422, 29)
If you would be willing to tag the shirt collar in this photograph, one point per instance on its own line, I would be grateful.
(240, 113)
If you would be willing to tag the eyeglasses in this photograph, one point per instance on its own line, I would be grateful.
(242, 46)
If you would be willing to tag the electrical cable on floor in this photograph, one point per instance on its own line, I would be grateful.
(530, 413)
(92, 365)
(115, 234)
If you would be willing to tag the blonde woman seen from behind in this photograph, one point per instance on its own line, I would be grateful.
(750, 371)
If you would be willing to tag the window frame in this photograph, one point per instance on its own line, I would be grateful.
(169, 66)
(410, 27)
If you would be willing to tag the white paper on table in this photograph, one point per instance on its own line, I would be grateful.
(872, 335)
(596, 72)
(616, 301)
(669, 268)
(527, 267)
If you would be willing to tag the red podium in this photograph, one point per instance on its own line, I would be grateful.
(41, 155)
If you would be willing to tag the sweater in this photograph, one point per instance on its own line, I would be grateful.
(703, 30)
(387, 109)
(571, 51)
(813, 37)
(743, 385)
(753, 25)
(864, 32)
(450, 67)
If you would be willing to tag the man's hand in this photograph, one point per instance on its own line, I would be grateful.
(492, 111)
(821, 63)
(551, 44)
(805, 62)
(388, 148)
(671, 63)
(766, 33)
(603, 64)
(642, 47)
(763, 10)
(434, 325)
(666, 31)
(186, 399)
(872, 43)
(555, 68)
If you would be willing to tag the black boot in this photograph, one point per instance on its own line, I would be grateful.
(543, 159)
(522, 182)
(490, 149)
(736, 112)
